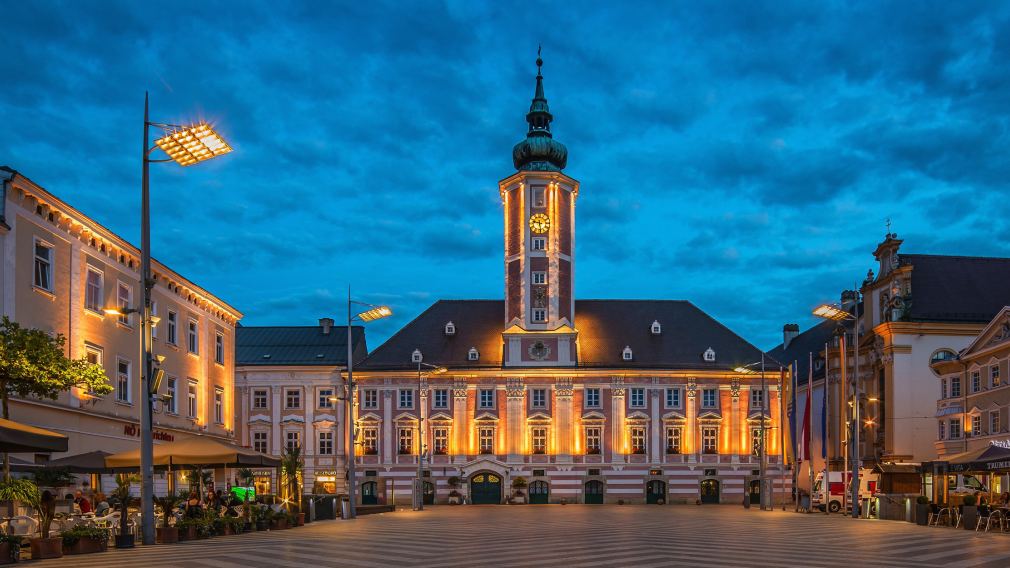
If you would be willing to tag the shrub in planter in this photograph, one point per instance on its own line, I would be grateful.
(46, 546)
(167, 534)
(969, 512)
(85, 540)
(10, 548)
(188, 528)
(122, 494)
(921, 510)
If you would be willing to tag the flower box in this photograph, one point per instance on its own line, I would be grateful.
(86, 546)
(51, 547)
(9, 552)
(278, 524)
(167, 535)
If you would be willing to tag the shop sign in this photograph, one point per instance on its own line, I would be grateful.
(134, 430)
(1005, 444)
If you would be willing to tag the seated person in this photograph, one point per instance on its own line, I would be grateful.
(81, 501)
(193, 508)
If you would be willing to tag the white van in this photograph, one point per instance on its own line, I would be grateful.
(838, 483)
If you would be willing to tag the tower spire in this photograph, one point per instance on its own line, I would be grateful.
(538, 151)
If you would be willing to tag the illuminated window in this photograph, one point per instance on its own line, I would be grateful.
(538, 197)
(122, 380)
(173, 396)
(755, 441)
(976, 381)
(218, 405)
(441, 398)
(538, 398)
(326, 442)
(539, 315)
(942, 426)
(93, 354)
(406, 441)
(708, 398)
(593, 439)
(43, 266)
(93, 294)
(219, 348)
(673, 398)
(193, 336)
(757, 398)
(539, 277)
(370, 441)
(994, 376)
(592, 398)
(539, 439)
(955, 387)
(637, 398)
(638, 440)
(325, 398)
(292, 440)
(370, 399)
(487, 398)
(673, 435)
(709, 355)
(173, 328)
(406, 398)
(976, 425)
(538, 243)
(191, 398)
(485, 437)
(440, 440)
(709, 440)
(124, 297)
(955, 428)
(260, 399)
(260, 442)
(292, 398)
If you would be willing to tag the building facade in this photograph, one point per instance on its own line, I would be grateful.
(289, 392)
(588, 401)
(60, 270)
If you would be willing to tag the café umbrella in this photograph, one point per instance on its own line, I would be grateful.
(17, 438)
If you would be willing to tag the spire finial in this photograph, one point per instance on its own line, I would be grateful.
(540, 62)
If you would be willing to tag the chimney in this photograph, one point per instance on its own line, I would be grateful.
(326, 324)
(789, 333)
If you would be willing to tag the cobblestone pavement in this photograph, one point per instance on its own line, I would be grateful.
(578, 535)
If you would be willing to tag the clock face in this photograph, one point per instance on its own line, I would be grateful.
(539, 223)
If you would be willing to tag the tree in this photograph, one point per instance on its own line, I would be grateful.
(33, 364)
(291, 468)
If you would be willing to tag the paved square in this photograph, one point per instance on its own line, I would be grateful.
(579, 535)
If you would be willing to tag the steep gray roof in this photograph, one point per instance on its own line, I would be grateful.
(958, 288)
(810, 341)
(303, 345)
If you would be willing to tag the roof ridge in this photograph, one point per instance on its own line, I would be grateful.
(956, 256)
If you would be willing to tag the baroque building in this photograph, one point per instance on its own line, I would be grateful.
(589, 401)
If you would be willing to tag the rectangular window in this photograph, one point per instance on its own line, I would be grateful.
(538, 398)
(755, 441)
(673, 434)
(592, 397)
(994, 422)
(487, 398)
(757, 397)
(708, 398)
(485, 437)
(976, 381)
(405, 445)
(124, 297)
(260, 443)
(441, 398)
(673, 398)
(539, 440)
(976, 425)
(370, 399)
(93, 295)
(192, 410)
(440, 440)
(173, 395)
(943, 388)
(122, 380)
(326, 442)
(260, 398)
(709, 440)
(173, 328)
(638, 440)
(219, 348)
(218, 405)
(955, 428)
(370, 441)
(539, 277)
(43, 266)
(994, 376)
(593, 438)
(194, 337)
(955, 387)
(325, 398)
(292, 398)
(538, 243)
(637, 398)
(406, 398)
(538, 197)
(292, 440)
(942, 433)
(93, 354)
(539, 315)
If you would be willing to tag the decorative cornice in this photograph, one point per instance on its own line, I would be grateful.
(617, 386)
(692, 387)
(514, 388)
(563, 388)
(734, 388)
(459, 389)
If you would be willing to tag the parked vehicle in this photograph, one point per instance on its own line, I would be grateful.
(838, 487)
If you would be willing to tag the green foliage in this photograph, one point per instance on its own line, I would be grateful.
(453, 482)
(15, 545)
(969, 500)
(519, 482)
(46, 512)
(167, 503)
(245, 477)
(123, 493)
(72, 536)
(291, 468)
(55, 477)
(922, 500)
(23, 490)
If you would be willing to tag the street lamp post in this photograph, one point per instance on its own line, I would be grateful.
(419, 482)
(185, 146)
(833, 312)
(376, 312)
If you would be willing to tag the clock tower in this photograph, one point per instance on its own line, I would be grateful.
(539, 206)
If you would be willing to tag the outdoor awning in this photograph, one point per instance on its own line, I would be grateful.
(897, 468)
(948, 410)
(195, 451)
(90, 462)
(989, 458)
(16, 438)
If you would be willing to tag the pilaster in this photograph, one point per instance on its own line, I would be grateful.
(515, 393)
(460, 425)
(655, 446)
(617, 425)
(275, 419)
(388, 433)
(691, 445)
(564, 428)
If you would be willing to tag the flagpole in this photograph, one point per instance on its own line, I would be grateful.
(827, 432)
(792, 435)
(806, 448)
(782, 436)
(844, 400)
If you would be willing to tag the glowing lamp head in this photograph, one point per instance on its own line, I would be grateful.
(375, 313)
(832, 312)
(188, 146)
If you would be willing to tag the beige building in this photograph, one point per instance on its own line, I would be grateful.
(60, 269)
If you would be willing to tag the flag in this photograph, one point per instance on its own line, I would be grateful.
(824, 419)
(792, 410)
(804, 452)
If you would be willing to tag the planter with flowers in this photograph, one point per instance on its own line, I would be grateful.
(85, 540)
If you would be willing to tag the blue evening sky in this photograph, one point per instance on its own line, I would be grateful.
(741, 155)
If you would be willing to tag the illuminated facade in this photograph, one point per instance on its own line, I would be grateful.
(589, 401)
(60, 269)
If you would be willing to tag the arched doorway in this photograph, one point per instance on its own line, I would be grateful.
(429, 493)
(539, 493)
(485, 488)
(655, 492)
(369, 493)
(754, 490)
(710, 491)
(594, 492)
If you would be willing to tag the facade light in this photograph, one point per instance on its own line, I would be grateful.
(114, 311)
(188, 146)
(375, 313)
(831, 312)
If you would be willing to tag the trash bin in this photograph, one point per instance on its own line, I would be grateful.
(345, 508)
(805, 502)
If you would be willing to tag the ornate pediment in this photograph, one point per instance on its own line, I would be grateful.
(259, 418)
(369, 417)
(594, 415)
(486, 416)
(292, 418)
(440, 416)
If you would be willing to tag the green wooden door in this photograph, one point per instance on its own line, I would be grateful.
(709, 491)
(485, 489)
(755, 492)
(594, 492)
(429, 493)
(539, 493)
(370, 493)
(655, 491)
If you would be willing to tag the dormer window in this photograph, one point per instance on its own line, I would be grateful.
(709, 355)
(627, 354)
(450, 328)
(416, 356)
(656, 328)
(473, 354)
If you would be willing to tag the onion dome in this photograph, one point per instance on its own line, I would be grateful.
(539, 151)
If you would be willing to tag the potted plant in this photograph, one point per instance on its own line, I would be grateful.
(454, 495)
(186, 528)
(921, 510)
(245, 477)
(122, 494)
(167, 534)
(291, 469)
(969, 512)
(85, 540)
(10, 548)
(278, 520)
(46, 546)
(518, 484)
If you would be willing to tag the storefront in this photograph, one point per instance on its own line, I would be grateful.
(325, 483)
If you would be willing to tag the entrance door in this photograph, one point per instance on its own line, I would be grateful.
(485, 489)
(538, 493)
(709, 491)
(655, 492)
(429, 493)
(370, 493)
(755, 492)
(594, 492)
